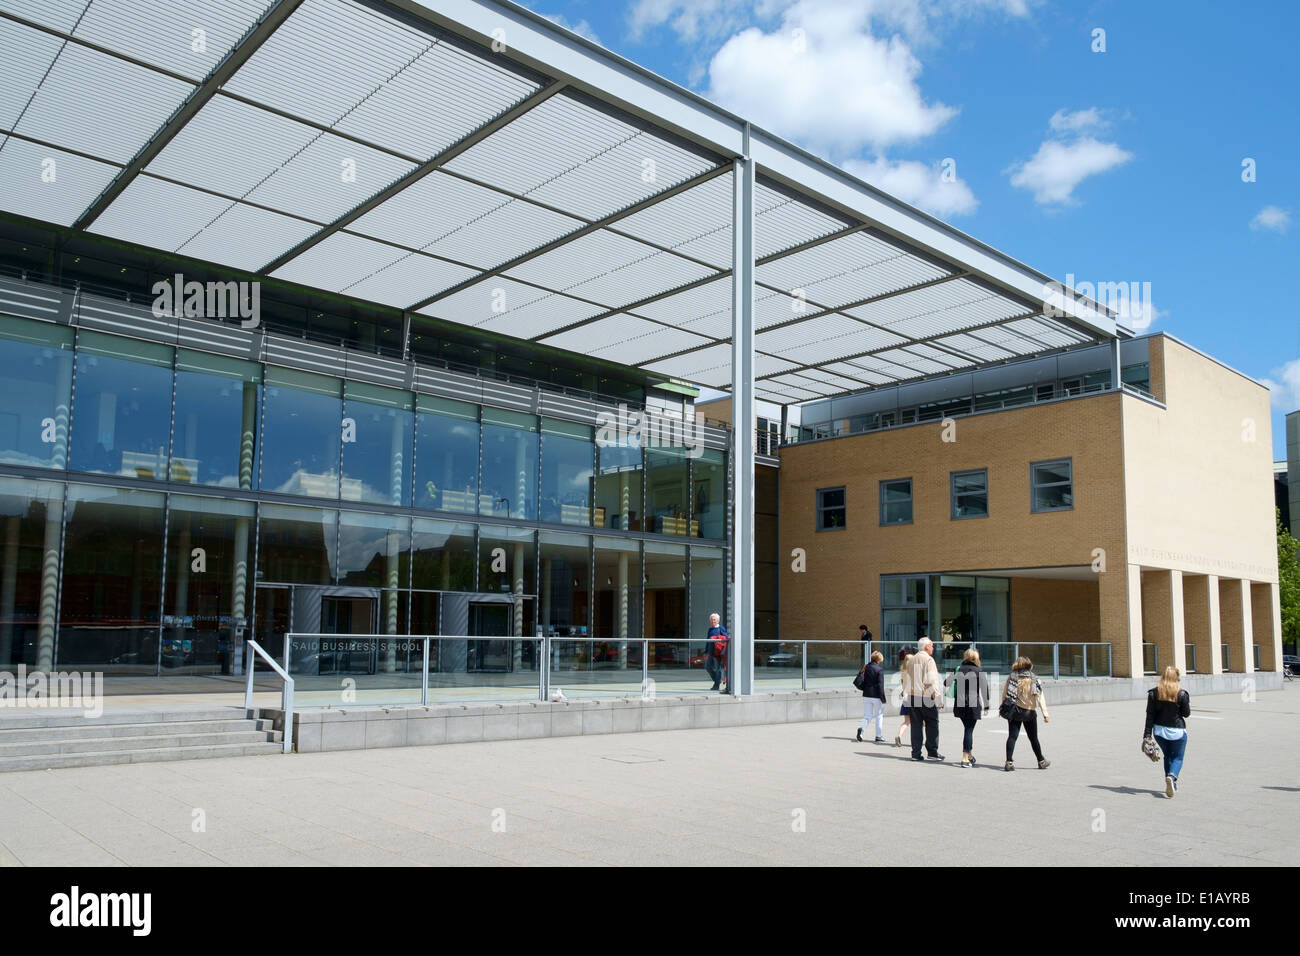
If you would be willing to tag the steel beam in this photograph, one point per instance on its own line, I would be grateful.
(742, 434)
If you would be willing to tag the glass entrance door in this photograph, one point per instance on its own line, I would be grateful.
(490, 620)
(342, 616)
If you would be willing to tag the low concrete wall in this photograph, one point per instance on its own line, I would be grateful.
(362, 728)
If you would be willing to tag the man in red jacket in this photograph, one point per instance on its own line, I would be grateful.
(716, 662)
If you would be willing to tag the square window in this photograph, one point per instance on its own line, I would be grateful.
(970, 494)
(1052, 485)
(831, 512)
(896, 501)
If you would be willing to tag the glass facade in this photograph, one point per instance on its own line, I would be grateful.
(283, 501)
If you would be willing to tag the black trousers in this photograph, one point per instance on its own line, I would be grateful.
(968, 723)
(925, 719)
(1030, 723)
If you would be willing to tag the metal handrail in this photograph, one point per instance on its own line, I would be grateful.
(286, 692)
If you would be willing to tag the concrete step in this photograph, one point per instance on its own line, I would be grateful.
(146, 742)
(22, 718)
(88, 728)
(58, 761)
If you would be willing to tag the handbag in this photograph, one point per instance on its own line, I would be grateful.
(1151, 748)
(1008, 708)
(860, 682)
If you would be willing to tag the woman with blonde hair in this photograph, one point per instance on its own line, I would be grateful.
(904, 695)
(1168, 707)
(970, 700)
(1020, 706)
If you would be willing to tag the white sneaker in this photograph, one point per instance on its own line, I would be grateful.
(1171, 787)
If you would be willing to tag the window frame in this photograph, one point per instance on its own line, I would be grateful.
(821, 509)
(952, 492)
(1033, 486)
(911, 497)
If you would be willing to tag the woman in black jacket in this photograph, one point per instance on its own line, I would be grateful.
(873, 696)
(1168, 707)
(970, 700)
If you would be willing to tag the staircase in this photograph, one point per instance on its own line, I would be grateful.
(48, 740)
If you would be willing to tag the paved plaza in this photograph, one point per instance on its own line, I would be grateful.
(783, 794)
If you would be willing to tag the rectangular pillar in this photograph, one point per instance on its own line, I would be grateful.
(1121, 603)
(1215, 625)
(1268, 624)
(1177, 630)
(1242, 589)
(741, 680)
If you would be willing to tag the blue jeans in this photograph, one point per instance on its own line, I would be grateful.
(1173, 751)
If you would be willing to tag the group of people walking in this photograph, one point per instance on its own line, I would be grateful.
(922, 694)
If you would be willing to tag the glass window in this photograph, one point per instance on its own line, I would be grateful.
(371, 548)
(904, 613)
(1052, 485)
(301, 434)
(112, 569)
(618, 484)
(709, 494)
(217, 406)
(831, 511)
(509, 465)
(568, 459)
(896, 501)
(31, 523)
(442, 555)
(618, 589)
(708, 569)
(665, 591)
(123, 395)
(35, 390)
(446, 455)
(667, 492)
(970, 494)
(565, 584)
(376, 435)
(207, 583)
(506, 559)
(296, 545)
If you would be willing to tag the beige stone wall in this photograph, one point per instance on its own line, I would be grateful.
(1198, 484)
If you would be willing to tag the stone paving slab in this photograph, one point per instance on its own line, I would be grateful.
(802, 793)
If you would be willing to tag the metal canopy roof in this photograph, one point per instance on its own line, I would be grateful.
(550, 191)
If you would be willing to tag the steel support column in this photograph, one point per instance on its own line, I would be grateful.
(1116, 377)
(742, 419)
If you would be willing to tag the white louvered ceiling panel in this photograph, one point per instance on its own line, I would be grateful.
(94, 103)
(247, 237)
(498, 304)
(338, 261)
(157, 214)
(696, 222)
(409, 279)
(23, 190)
(27, 56)
(327, 178)
(781, 222)
(625, 339)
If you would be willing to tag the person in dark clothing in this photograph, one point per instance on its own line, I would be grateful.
(1168, 707)
(970, 700)
(873, 696)
(715, 663)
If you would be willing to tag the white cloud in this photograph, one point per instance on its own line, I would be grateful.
(1078, 120)
(917, 183)
(691, 20)
(1272, 218)
(582, 27)
(823, 80)
(1285, 388)
(1059, 166)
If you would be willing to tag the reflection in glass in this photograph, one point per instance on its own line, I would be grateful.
(216, 420)
(296, 545)
(442, 555)
(665, 592)
(617, 610)
(35, 391)
(567, 466)
(111, 577)
(377, 424)
(667, 492)
(123, 406)
(301, 434)
(709, 494)
(618, 485)
(509, 465)
(206, 578)
(32, 516)
(565, 591)
(371, 547)
(446, 455)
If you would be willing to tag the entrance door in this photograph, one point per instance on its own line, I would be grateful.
(490, 620)
(343, 615)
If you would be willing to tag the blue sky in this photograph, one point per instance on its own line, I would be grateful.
(1122, 165)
